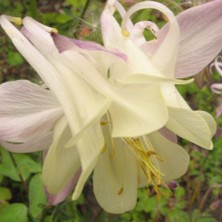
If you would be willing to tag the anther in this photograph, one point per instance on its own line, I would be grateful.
(121, 191)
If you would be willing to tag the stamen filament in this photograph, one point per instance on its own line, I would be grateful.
(146, 155)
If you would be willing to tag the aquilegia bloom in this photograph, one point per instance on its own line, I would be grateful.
(74, 147)
(105, 105)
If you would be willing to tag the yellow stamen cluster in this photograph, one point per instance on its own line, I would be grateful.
(146, 156)
(148, 160)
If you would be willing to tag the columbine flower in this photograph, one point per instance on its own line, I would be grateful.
(70, 122)
(130, 89)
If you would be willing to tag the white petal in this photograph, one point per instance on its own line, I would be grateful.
(33, 56)
(64, 43)
(172, 97)
(219, 110)
(175, 159)
(201, 37)
(100, 57)
(210, 121)
(59, 197)
(190, 125)
(131, 107)
(112, 36)
(142, 111)
(24, 91)
(89, 147)
(137, 61)
(216, 88)
(217, 64)
(27, 111)
(60, 164)
(196, 50)
(87, 104)
(115, 179)
(33, 145)
(74, 95)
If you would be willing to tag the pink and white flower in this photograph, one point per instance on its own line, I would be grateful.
(105, 105)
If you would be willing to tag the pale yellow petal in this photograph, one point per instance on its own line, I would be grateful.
(89, 146)
(210, 121)
(60, 164)
(190, 125)
(140, 111)
(174, 159)
(115, 179)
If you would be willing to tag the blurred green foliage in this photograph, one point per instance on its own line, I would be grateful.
(22, 198)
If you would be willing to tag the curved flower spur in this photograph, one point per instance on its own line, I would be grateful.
(217, 64)
(126, 95)
(217, 87)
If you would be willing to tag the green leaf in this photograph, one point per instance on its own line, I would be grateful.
(179, 193)
(55, 18)
(25, 165)
(75, 3)
(14, 212)
(5, 194)
(178, 216)
(48, 219)
(14, 58)
(7, 167)
(33, 8)
(37, 197)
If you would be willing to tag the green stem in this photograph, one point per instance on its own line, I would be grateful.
(98, 215)
(82, 16)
